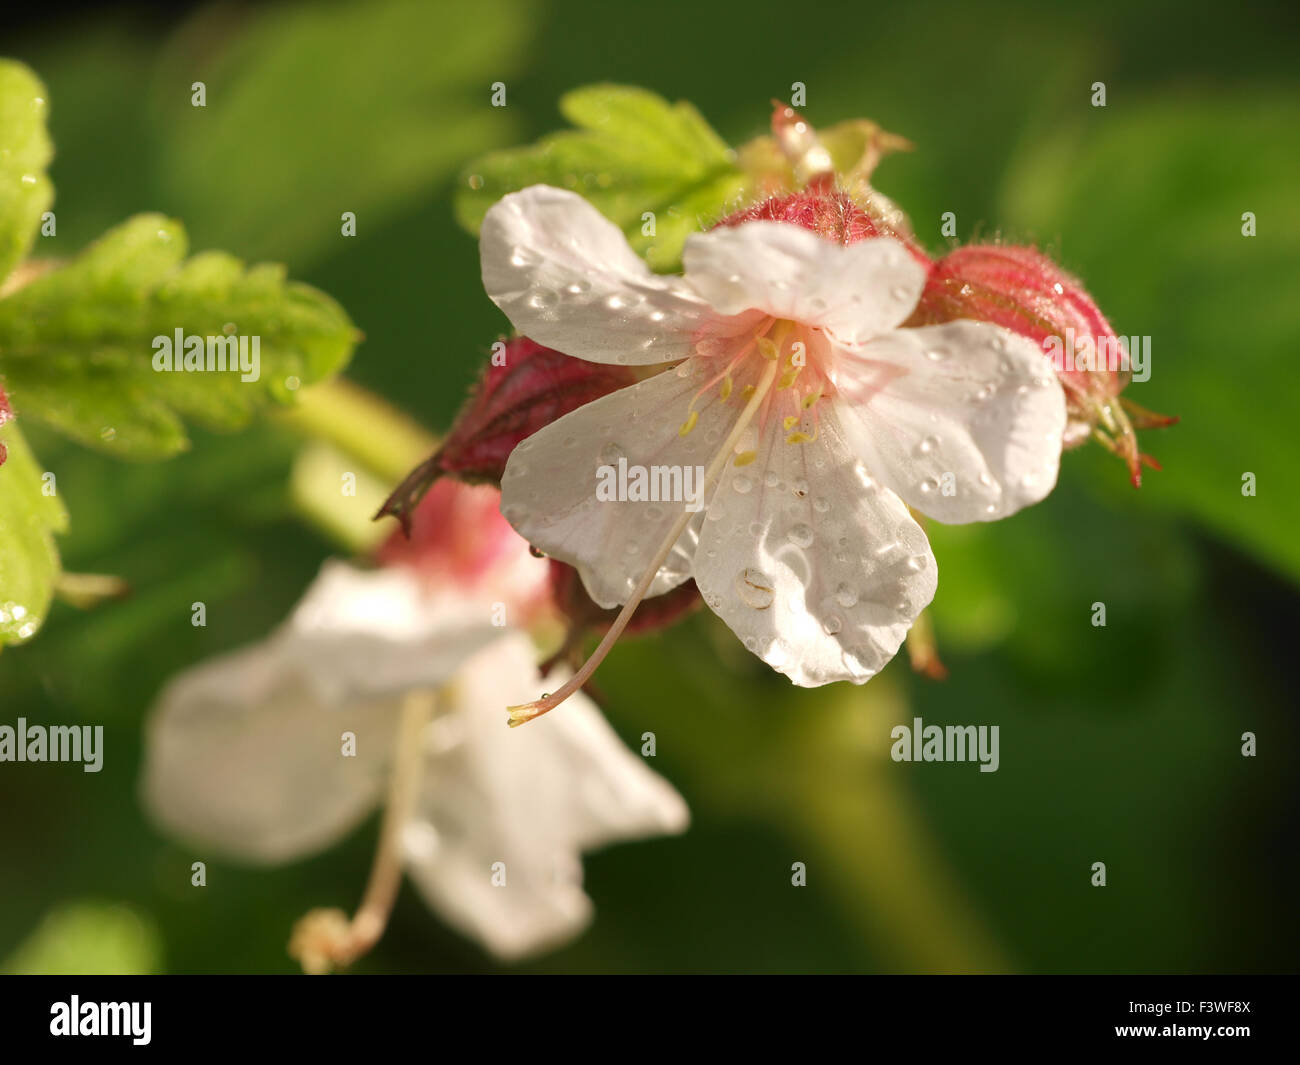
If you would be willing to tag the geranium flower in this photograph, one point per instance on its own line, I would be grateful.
(816, 420)
(246, 753)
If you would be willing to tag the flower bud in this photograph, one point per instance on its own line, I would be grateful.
(1026, 292)
(829, 212)
(457, 538)
(524, 389)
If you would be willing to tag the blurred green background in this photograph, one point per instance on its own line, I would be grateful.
(1118, 744)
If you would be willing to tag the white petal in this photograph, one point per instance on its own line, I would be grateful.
(531, 799)
(549, 489)
(963, 420)
(370, 633)
(817, 569)
(566, 277)
(854, 292)
(243, 757)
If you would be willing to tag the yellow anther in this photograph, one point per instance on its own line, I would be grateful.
(726, 388)
(788, 378)
(689, 424)
(811, 398)
(746, 392)
(798, 438)
(790, 422)
(767, 348)
(746, 457)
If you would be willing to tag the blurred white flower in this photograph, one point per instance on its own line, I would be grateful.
(248, 754)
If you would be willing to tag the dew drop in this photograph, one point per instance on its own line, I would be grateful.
(542, 299)
(937, 354)
(832, 624)
(927, 445)
(755, 588)
(742, 484)
(520, 256)
(611, 453)
(846, 596)
(801, 535)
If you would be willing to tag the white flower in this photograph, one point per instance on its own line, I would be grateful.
(817, 420)
(246, 756)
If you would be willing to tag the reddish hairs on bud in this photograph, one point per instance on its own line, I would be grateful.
(827, 211)
(1023, 290)
(528, 389)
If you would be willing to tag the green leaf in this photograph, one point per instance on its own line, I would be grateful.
(1148, 204)
(77, 345)
(29, 561)
(25, 151)
(633, 152)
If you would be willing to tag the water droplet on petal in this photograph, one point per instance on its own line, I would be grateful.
(846, 596)
(755, 588)
(832, 624)
(741, 483)
(801, 535)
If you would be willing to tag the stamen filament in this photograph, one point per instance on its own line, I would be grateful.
(323, 939)
(525, 712)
